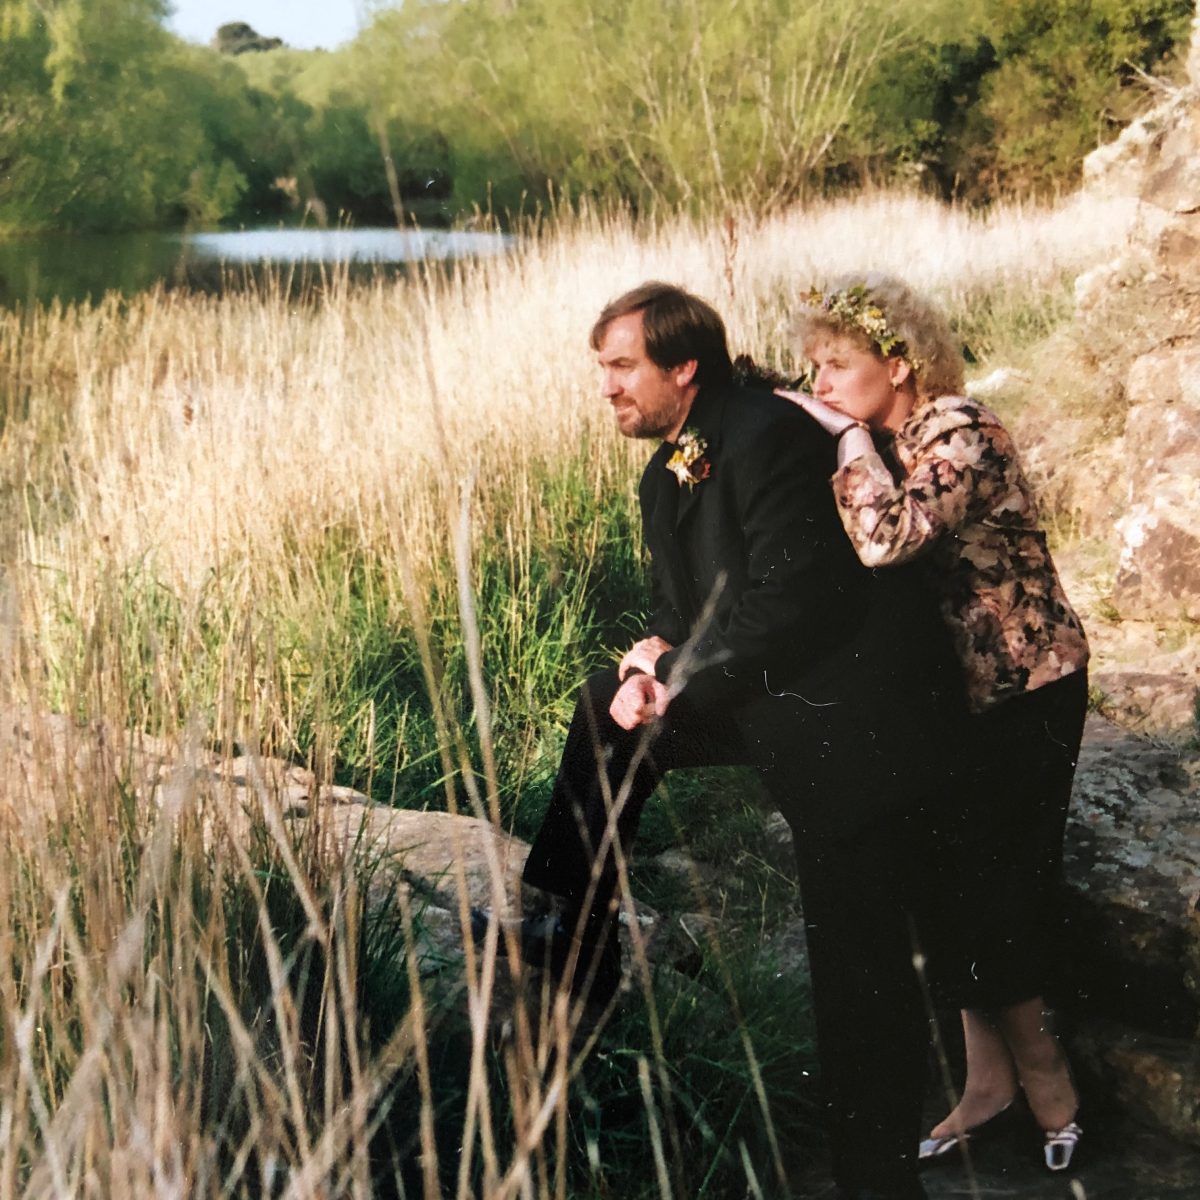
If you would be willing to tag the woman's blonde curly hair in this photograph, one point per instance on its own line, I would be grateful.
(913, 328)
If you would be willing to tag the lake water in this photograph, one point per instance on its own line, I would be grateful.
(73, 267)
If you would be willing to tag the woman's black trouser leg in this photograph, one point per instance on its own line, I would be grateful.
(872, 1024)
(871, 1021)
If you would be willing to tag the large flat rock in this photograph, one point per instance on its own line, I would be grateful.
(1133, 875)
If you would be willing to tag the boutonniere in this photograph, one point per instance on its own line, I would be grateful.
(688, 463)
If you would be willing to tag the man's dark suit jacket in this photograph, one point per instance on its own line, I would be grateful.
(838, 683)
(840, 678)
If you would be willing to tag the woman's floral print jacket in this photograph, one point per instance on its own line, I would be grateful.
(964, 503)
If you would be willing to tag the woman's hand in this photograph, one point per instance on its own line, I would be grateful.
(830, 419)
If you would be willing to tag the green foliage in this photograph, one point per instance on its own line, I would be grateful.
(704, 1087)
(705, 102)
(758, 103)
(239, 150)
(740, 1023)
(917, 113)
(107, 121)
(548, 611)
(331, 135)
(347, 660)
(81, 151)
(1009, 98)
(1066, 81)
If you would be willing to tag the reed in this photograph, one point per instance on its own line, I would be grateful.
(249, 524)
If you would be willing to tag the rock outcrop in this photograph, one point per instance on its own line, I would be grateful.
(1133, 846)
(1133, 870)
(1140, 318)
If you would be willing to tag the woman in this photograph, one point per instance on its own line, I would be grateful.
(924, 472)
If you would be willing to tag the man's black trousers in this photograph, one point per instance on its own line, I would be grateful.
(866, 890)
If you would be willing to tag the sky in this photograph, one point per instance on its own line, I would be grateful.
(301, 23)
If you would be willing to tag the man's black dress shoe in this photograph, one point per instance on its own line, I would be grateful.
(535, 933)
(547, 943)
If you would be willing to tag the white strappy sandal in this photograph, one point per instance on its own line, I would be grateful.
(933, 1148)
(1060, 1146)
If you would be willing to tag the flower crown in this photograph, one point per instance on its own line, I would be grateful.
(854, 306)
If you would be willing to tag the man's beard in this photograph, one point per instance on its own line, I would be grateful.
(642, 425)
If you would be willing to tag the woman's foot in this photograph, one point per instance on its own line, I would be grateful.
(1050, 1093)
(966, 1121)
(976, 1108)
(1041, 1065)
(1046, 1080)
(990, 1088)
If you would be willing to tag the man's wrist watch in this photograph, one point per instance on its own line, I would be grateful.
(855, 425)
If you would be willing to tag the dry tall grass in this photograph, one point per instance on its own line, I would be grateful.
(203, 431)
(200, 496)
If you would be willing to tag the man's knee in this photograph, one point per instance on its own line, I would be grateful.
(595, 696)
(598, 689)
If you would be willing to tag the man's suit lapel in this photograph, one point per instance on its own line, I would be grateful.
(661, 517)
(669, 504)
(662, 496)
(706, 418)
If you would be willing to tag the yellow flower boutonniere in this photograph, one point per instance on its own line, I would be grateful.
(688, 463)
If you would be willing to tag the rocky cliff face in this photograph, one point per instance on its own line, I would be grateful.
(1133, 874)
(1140, 318)
(1133, 842)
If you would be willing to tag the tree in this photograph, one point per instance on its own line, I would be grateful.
(239, 38)
(93, 133)
(1068, 79)
(693, 101)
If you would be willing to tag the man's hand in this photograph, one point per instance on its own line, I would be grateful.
(639, 700)
(643, 656)
(830, 419)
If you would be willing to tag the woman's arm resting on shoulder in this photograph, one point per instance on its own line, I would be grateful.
(830, 419)
(954, 478)
(854, 439)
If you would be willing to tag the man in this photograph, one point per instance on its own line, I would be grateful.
(770, 645)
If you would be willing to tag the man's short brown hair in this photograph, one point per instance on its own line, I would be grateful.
(678, 327)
